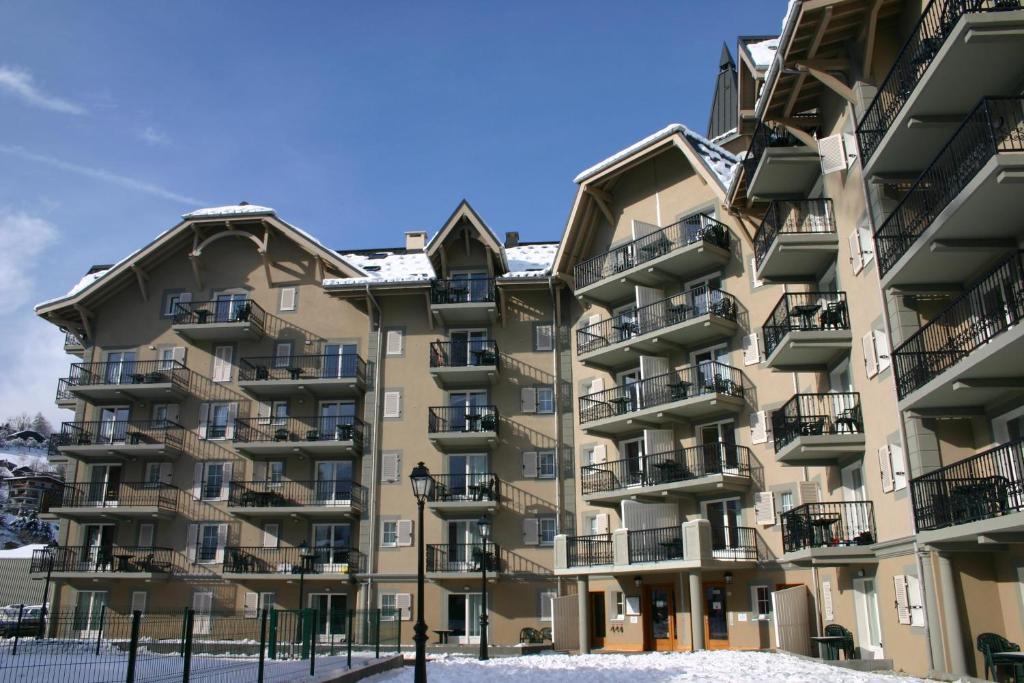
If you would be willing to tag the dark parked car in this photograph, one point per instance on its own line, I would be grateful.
(31, 615)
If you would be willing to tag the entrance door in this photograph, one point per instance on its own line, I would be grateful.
(339, 360)
(120, 367)
(464, 617)
(331, 544)
(113, 424)
(466, 346)
(202, 603)
(104, 485)
(716, 619)
(467, 410)
(632, 451)
(331, 615)
(854, 491)
(720, 453)
(467, 470)
(705, 362)
(97, 547)
(629, 391)
(869, 631)
(229, 305)
(724, 516)
(334, 482)
(659, 618)
(468, 287)
(597, 619)
(336, 420)
(463, 539)
(89, 608)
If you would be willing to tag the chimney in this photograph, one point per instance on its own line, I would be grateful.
(511, 239)
(415, 241)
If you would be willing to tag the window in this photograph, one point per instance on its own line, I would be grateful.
(287, 299)
(171, 301)
(785, 501)
(206, 550)
(138, 601)
(389, 534)
(761, 601)
(275, 471)
(546, 608)
(545, 399)
(218, 425)
(282, 354)
(546, 468)
(620, 606)
(543, 337)
(222, 363)
(547, 528)
(388, 607)
(165, 356)
(213, 480)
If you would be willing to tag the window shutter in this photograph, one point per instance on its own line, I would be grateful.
(178, 354)
(271, 532)
(138, 601)
(390, 467)
(833, 153)
(528, 400)
(204, 417)
(902, 604)
(222, 363)
(395, 341)
(659, 441)
(914, 601)
(531, 531)
(764, 508)
(392, 404)
(191, 541)
(225, 482)
(600, 453)
(197, 480)
(899, 467)
(826, 601)
(166, 472)
(759, 427)
(529, 464)
(252, 605)
(222, 540)
(596, 385)
(751, 349)
(403, 601)
(882, 350)
(543, 337)
(867, 343)
(808, 492)
(287, 298)
(601, 522)
(593, 320)
(146, 534)
(856, 258)
(754, 282)
(229, 429)
(867, 245)
(885, 466)
(404, 528)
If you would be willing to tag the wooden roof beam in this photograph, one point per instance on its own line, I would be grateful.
(599, 198)
(829, 81)
(812, 50)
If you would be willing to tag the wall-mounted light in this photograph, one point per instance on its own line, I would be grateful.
(860, 573)
(638, 581)
(728, 577)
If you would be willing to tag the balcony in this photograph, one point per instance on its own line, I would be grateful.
(962, 213)
(461, 364)
(65, 397)
(319, 564)
(690, 319)
(594, 550)
(458, 426)
(689, 393)
(694, 245)
(959, 51)
(807, 331)
(968, 356)
(459, 560)
(323, 498)
(324, 376)
(134, 380)
(796, 240)
(461, 301)
(74, 344)
(457, 494)
(695, 470)
(829, 534)
(666, 544)
(779, 165)
(115, 562)
(226, 320)
(84, 500)
(979, 498)
(150, 439)
(818, 429)
(264, 437)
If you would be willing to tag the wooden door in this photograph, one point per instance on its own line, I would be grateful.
(659, 610)
(716, 616)
(597, 619)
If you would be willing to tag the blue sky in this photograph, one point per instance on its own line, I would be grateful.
(356, 121)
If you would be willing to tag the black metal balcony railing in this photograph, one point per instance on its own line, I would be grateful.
(828, 525)
(73, 340)
(690, 230)
(64, 390)
(684, 383)
(101, 494)
(291, 561)
(814, 311)
(129, 372)
(473, 290)
(462, 419)
(122, 432)
(325, 492)
(220, 313)
(733, 542)
(463, 557)
(697, 303)
(302, 367)
(983, 486)
(104, 559)
(461, 354)
(768, 135)
(655, 545)
(996, 125)
(936, 23)
(473, 486)
(788, 217)
(681, 464)
(588, 551)
(817, 415)
(988, 308)
(340, 428)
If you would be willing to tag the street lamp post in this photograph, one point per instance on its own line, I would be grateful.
(422, 487)
(484, 524)
(50, 547)
(305, 555)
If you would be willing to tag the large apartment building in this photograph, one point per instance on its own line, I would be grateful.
(768, 380)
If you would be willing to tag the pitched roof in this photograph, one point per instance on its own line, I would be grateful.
(724, 105)
(466, 212)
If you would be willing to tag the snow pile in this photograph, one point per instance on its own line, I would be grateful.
(22, 553)
(87, 280)
(763, 52)
(530, 260)
(728, 666)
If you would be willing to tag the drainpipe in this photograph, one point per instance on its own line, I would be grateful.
(371, 553)
(556, 305)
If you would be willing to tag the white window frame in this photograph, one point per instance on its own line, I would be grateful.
(547, 465)
(536, 336)
(384, 524)
(549, 389)
(619, 605)
(391, 597)
(755, 602)
(546, 598)
(542, 521)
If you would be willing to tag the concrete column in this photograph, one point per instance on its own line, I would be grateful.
(931, 608)
(696, 611)
(583, 601)
(951, 614)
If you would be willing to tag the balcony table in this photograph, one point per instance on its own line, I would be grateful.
(621, 404)
(442, 635)
(806, 314)
(828, 646)
(671, 471)
(626, 329)
(679, 312)
(123, 562)
(201, 316)
(673, 548)
(296, 373)
(655, 249)
(822, 524)
(679, 390)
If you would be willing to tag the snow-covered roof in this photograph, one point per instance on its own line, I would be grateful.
(244, 209)
(792, 12)
(530, 260)
(385, 266)
(22, 553)
(763, 52)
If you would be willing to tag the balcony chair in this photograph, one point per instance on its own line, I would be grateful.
(813, 425)
(845, 645)
(262, 373)
(723, 308)
(849, 421)
(530, 636)
(991, 645)
(713, 234)
(545, 633)
(487, 490)
(489, 423)
(483, 558)
(343, 432)
(242, 314)
(313, 435)
(833, 317)
(282, 434)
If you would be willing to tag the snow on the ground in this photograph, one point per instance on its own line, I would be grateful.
(728, 666)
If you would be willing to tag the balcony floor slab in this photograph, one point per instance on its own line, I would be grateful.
(809, 349)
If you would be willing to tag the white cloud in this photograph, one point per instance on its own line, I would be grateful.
(20, 83)
(23, 238)
(154, 136)
(34, 358)
(101, 174)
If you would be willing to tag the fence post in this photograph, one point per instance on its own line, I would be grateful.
(186, 666)
(263, 644)
(99, 633)
(349, 637)
(272, 645)
(17, 630)
(133, 647)
(376, 635)
(312, 643)
(184, 625)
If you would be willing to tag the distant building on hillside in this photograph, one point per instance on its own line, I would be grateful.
(31, 491)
